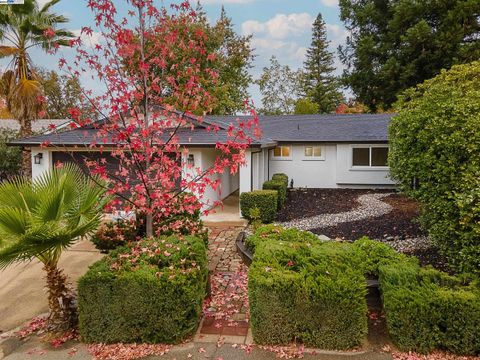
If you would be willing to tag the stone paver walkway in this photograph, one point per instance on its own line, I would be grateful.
(222, 253)
(226, 309)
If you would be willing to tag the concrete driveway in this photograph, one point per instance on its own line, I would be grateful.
(22, 292)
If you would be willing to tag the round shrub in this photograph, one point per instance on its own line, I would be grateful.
(435, 156)
(150, 291)
(281, 177)
(113, 234)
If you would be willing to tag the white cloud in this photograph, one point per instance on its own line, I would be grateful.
(207, 2)
(336, 34)
(331, 3)
(41, 3)
(280, 26)
(88, 40)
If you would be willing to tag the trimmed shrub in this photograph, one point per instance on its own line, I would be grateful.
(265, 200)
(150, 291)
(280, 187)
(370, 255)
(305, 291)
(281, 177)
(427, 309)
(278, 233)
(113, 234)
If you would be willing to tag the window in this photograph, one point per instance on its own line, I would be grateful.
(373, 156)
(281, 152)
(313, 153)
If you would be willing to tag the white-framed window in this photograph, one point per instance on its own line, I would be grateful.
(370, 156)
(283, 152)
(313, 152)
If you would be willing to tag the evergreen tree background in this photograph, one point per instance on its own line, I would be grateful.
(319, 82)
(395, 45)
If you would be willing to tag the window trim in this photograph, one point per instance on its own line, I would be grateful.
(314, 158)
(369, 167)
(281, 158)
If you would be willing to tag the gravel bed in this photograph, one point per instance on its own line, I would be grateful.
(408, 245)
(370, 205)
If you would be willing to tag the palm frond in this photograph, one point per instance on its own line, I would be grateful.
(8, 51)
(49, 215)
(13, 222)
(48, 5)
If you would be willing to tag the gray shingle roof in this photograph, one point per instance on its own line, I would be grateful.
(322, 128)
(84, 137)
(349, 128)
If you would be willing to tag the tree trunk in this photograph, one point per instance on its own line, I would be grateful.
(26, 131)
(61, 300)
(149, 225)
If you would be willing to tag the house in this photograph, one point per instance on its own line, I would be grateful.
(315, 151)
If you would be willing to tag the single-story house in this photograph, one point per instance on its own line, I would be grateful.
(315, 151)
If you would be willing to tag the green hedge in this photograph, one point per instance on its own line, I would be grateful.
(427, 309)
(265, 200)
(278, 233)
(301, 289)
(150, 291)
(280, 187)
(281, 177)
(313, 292)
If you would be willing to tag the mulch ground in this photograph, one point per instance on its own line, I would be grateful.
(303, 203)
(399, 223)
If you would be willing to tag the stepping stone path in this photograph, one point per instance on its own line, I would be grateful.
(371, 205)
(226, 309)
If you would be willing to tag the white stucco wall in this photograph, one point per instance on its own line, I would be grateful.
(348, 176)
(333, 171)
(204, 159)
(307, 173)
(45, 162)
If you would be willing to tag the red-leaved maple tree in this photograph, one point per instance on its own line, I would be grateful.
(154, 65)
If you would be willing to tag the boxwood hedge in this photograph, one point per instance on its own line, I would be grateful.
(426, 309)
(150, 291)
(265, 200)
(280, 187)
(305, 290)
(301, 289)
(281, 177)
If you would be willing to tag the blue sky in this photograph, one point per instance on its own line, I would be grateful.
(279, 27)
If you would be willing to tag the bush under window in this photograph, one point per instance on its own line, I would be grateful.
(281, 177)
(280, 187)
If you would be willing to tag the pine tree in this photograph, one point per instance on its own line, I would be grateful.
(319, 83)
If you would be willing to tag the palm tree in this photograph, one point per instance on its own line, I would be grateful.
(23, 27)
(40, 218)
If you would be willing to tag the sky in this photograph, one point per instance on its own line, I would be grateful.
(279, 27)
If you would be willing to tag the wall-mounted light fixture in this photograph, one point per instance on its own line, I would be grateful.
(191, 159)
(38, 158)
